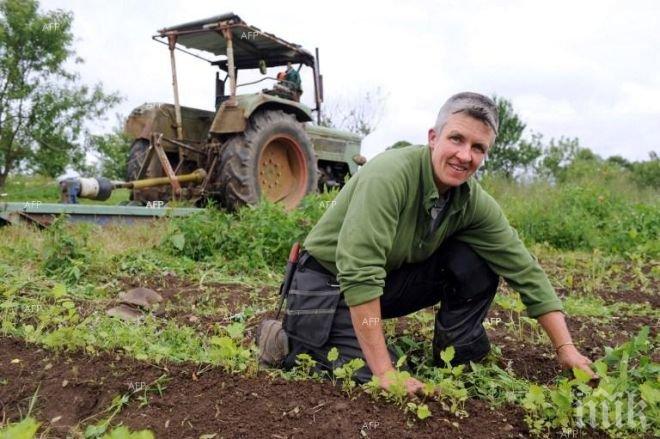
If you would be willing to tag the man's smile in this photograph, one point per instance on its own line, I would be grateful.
(458, 168)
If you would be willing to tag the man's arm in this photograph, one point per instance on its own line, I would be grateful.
(369, 332)
(568, 356)
(491, 237)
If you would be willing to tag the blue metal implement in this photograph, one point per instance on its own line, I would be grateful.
(44, 213)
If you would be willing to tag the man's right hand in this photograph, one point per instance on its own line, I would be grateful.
(369, 332)
(413, 386)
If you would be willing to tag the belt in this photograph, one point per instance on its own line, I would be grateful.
(307, 262)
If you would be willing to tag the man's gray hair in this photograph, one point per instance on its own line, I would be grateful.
(474, 105)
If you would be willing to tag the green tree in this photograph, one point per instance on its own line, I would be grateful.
(620, 161)
(556, 157)
(511, 153)
(113, 149)
(43, 108)
(647, 173)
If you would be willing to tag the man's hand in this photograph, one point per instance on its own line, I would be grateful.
(413, 386)
(369, 331)
(569, 357)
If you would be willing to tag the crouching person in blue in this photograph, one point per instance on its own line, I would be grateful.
(412, 229)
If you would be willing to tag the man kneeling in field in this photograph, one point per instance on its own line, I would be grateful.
(412, 229)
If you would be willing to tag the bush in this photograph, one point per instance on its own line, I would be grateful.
(66, 254)
(590, 213)
(255, 237)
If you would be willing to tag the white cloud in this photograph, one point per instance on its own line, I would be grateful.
(585, 69)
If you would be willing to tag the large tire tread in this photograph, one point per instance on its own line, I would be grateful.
(238, 164)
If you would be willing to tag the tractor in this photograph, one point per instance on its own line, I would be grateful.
(255, 146)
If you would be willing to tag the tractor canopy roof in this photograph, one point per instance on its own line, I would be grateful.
(250, 44)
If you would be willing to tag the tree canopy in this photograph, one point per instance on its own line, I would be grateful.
(511, 152)
(43, 106)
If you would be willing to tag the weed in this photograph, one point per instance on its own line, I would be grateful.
(624, 384)
(124, 433)
(25, 429)
(346, 372)
(66, 255)
(305, 367)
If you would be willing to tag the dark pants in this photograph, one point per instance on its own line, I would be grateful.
(317, 317)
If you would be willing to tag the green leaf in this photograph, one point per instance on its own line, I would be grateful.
(333, 354)
(650, 394)
(423, 411)
(178, 241)
(96, 430)
(236, 330)
(448, 354)
(581, 375)
(26, 429)
(356, 363)
(123, 432)
(535, 398)
(59, 290)
(601, 368)
(401, 361)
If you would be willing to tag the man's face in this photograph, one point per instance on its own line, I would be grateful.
(459, 150)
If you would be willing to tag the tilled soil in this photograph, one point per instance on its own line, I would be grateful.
(71, 388)
(76, 388)
(536, 361)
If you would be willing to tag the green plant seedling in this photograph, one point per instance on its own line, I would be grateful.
(345, 374)
(25, 429)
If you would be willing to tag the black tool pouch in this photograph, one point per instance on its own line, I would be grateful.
(311, 304)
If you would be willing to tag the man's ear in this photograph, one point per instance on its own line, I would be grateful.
(432, 137)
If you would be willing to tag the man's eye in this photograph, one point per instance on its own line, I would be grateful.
(455, 139)
(479, 148)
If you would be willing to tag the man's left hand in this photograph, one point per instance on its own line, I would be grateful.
(569, 357)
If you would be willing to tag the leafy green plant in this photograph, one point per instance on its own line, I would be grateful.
(158, 386)
(448, 380)
(66, 255)
(346, 372)
(25, 429)
(623, 385)
(124, 433)
(422, 411)
(305, 368)
(227, 349)
(96, 430)
(221, 236)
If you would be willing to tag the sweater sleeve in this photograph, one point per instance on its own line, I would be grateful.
(492, 238)
(367, 234)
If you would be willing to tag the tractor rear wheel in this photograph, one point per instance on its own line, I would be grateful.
(273, 159)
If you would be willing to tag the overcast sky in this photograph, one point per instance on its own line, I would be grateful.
(586, 69)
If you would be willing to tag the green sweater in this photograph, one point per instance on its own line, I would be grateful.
(380, 218)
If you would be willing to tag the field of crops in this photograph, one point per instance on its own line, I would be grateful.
(187, 369)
